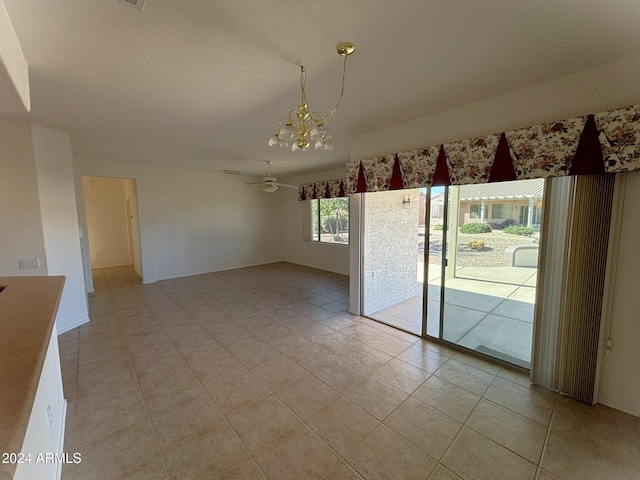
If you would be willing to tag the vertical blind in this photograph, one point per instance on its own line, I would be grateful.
(571, 291)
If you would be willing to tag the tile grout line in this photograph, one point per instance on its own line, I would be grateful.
(546, 438)
(464, 423)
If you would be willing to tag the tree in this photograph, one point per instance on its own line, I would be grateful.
(334, 215)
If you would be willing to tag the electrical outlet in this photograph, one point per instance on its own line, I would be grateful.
(50, 415)
(27, 263)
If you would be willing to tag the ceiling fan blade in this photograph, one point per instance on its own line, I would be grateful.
(255, 183)
(286, 186)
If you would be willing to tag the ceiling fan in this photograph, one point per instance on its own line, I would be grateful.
(269, 183)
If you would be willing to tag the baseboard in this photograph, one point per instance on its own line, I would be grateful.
(629, 407)
(206, 272)
(65, 328)
(317, 267)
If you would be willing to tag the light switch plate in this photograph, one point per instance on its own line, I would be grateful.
(27, 263)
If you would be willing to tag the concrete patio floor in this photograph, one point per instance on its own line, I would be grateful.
(487, 309)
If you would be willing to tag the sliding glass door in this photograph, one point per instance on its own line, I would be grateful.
(458, 264)
(488, 286)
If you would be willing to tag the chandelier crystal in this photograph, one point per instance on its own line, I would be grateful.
(302, 127)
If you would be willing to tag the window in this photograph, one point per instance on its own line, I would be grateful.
(474, 210)
(501, 211)
(330, 220)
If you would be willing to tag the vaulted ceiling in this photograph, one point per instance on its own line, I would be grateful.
(202, 83)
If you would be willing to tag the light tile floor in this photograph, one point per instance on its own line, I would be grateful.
(260, 373)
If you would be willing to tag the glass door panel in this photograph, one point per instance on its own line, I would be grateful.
(489, 283)
(393, 242)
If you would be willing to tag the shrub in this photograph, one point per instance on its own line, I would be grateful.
(475, 228)
(437, 226)
(476, 244)
(519, 230)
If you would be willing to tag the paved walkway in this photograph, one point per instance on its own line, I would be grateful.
(487, 309)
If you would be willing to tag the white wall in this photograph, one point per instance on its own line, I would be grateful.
(207, 221)
(54, 164)
(106, 221)
(38, 216)
(325, 256)
(605, 87)
(602, 88)
(20, 221)
(84, 230)
(620, 374)
(197, 221)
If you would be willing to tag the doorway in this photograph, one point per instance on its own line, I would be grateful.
(112, 222)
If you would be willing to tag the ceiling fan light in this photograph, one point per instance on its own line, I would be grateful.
(270, 187)
(288, 132)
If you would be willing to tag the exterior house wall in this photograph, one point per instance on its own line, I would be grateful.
(516, 208)
(389, 250)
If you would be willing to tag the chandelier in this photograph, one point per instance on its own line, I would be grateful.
(302, 127)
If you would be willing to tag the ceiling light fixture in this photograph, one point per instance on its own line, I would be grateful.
(302, 126)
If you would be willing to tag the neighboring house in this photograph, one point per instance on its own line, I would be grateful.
(494, 203)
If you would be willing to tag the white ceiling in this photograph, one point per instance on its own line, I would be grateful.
(202, 83)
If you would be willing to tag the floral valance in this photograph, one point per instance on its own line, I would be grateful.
(605, 142)
(326, 189)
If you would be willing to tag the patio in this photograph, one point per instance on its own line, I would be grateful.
(487, 309)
